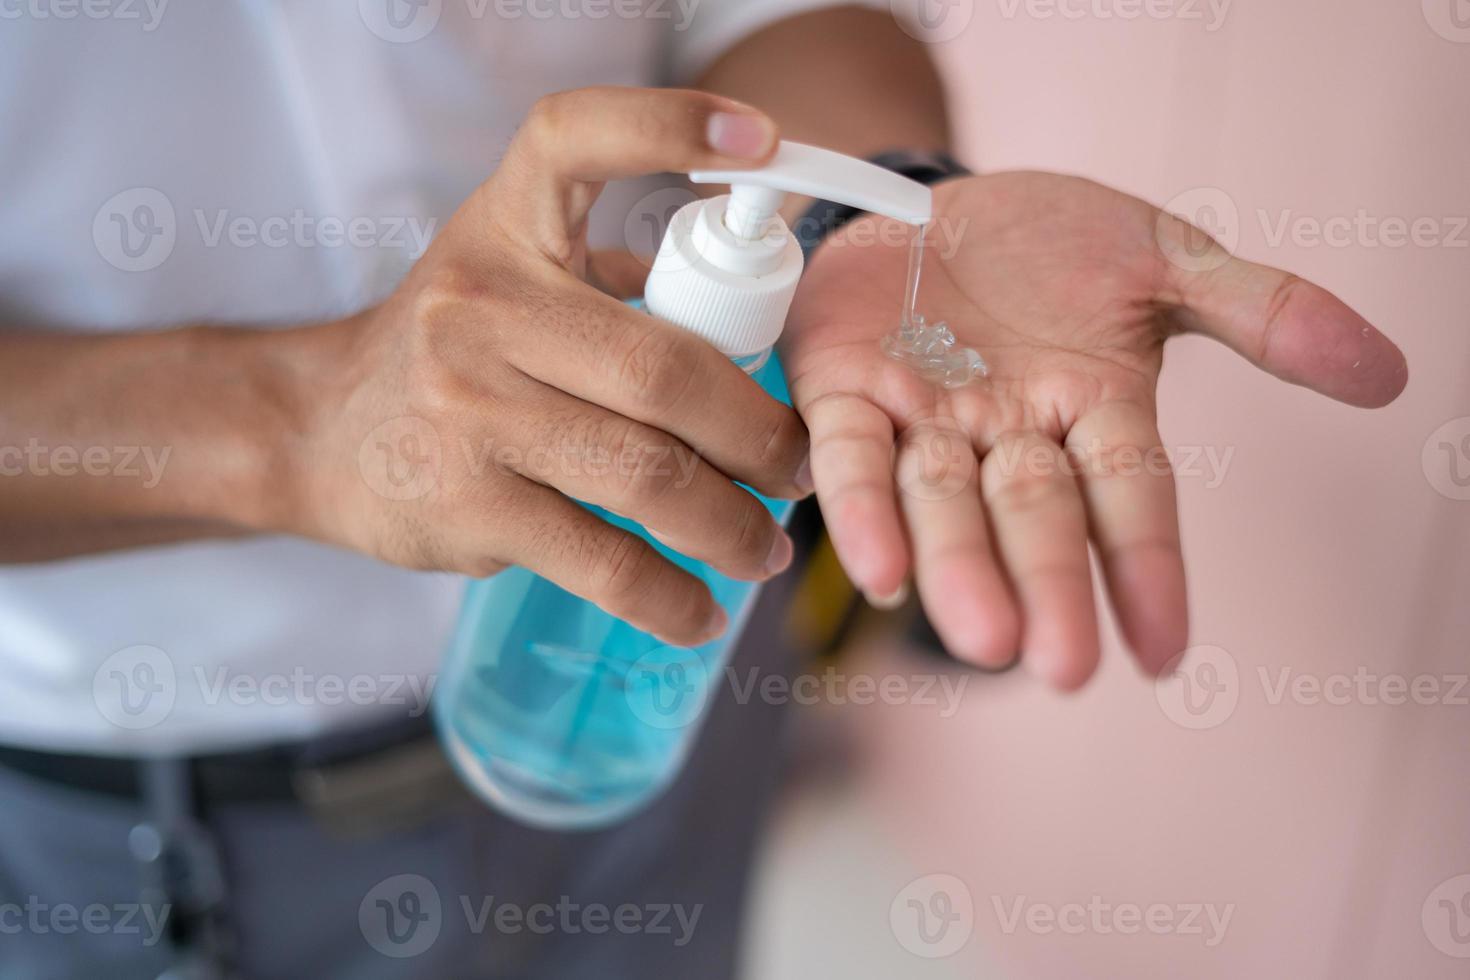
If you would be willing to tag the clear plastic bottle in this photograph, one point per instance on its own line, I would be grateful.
(555, 712)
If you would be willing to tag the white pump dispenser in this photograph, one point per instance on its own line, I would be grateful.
(728, 266)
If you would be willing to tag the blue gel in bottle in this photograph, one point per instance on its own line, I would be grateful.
(566, 717)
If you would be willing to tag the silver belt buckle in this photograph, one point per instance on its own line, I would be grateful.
(381, 793)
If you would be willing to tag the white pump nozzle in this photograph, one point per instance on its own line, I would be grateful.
(814, 172)
(728, 266)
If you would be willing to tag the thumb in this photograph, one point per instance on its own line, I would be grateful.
(574, 141)
(1283, 324)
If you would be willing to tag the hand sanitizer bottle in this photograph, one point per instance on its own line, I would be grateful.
(555, 712)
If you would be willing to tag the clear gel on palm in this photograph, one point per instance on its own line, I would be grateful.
(929, 348)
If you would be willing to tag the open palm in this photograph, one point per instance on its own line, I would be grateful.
(1070, 291)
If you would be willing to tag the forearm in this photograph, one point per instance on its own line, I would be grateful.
(846, 78)
(123, 440)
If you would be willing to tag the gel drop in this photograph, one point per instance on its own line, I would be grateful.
(929, 348)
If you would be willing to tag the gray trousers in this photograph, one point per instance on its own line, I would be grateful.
(464, 893)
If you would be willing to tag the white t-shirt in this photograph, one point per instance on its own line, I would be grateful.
(260, 162)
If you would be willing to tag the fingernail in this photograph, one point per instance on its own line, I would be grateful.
(889, 602)
(804, 481)
(747, 135)
(780, 555)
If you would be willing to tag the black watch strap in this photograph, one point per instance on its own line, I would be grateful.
(825, 217)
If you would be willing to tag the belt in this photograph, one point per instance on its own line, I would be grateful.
(355, 784)
(364, 781)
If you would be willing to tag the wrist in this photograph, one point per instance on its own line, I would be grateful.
(265, 464)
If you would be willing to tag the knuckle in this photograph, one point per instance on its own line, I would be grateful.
(553, 441)
(834, 426)
(752, 532)
(441, 300)
(647, 485)
(1289, 286)
(672, 118)
(625, 572)
(643, 476)
(1022, 494)
(656, 369)
(782, 442)
(449, 308)
(540, 537)
(832, 408)
(481, 566)
(544, 123)
(433, 367)
(1028, 491)
(1025, 473)
(1124, 461)
(648, 122)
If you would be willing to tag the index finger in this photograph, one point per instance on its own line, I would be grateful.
(574, 141)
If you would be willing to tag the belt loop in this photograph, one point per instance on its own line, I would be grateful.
(183, 877)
